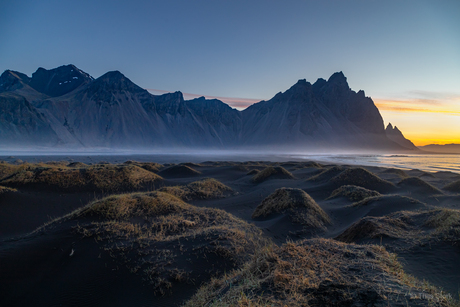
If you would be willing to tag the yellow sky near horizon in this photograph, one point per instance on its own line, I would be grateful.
(424, 121)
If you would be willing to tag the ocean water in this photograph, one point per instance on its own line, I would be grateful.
(425, 162)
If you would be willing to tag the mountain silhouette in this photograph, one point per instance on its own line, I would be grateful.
(67, 107)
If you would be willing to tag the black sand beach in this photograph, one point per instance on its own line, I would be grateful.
(259, 233)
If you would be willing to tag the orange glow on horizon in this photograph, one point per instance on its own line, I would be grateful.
(424, 121)
(418, 105)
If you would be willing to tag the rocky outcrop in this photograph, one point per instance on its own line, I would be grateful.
(396, 136)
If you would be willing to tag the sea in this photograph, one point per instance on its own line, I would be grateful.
(425, 162)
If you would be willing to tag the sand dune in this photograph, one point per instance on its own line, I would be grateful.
(180, 227)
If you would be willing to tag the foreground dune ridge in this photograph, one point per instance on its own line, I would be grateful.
(453, 187)
(271, 172)
(353, 193)
(99, 177)
(412, 227)
(152, 232)
(420, 184)
(174, 246)
(319, 272)
(203, 189)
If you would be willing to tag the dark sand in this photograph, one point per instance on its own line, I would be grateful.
(38, 268)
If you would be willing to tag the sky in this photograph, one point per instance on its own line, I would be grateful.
(405, 54)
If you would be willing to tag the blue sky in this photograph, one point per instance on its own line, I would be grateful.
(396, 50)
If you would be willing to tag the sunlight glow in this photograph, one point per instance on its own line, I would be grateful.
(424, 121)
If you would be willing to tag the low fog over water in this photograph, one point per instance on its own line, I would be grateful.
(426, 162)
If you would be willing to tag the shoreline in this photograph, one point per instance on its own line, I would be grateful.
(432, 162)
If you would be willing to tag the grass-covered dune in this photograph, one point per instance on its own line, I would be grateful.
(155, 238)
(208, 188)
(297, 204)
(226, 233)
(320, 272)
(99, 177)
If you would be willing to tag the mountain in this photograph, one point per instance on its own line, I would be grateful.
(59, 81)
(53, 83)
(112, 111)
(67, 107)
(447, 148)
(21, 124)
(323, 115)
(396, 136)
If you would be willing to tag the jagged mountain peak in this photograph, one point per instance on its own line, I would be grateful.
(58, 81)
(113, 75)
(113, 81)
(394, 134)
(320, 82)
(301, 86)
(338, 79)
(391, 129)
(302, 83)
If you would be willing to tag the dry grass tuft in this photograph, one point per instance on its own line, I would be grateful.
(208, 188)
(425, 174)
(412, 228)
(401, 201)
(6, 190)
(125, 206)
(253, 172)
(392, 226)
(7, 169)
(353, 193)
(327, 174)
(445, 223)
(272, 172)
(191, 164)
(106, 177)
(77, 165)
(309, 164)
(164, 239)
(361, 177)
(297, 204)
(453, 187)
(398, 172)
(421, 186)
(179, 171)
(149, 166)
(319, 272)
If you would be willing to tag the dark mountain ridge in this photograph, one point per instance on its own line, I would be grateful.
(446, 148)
(67, 107)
